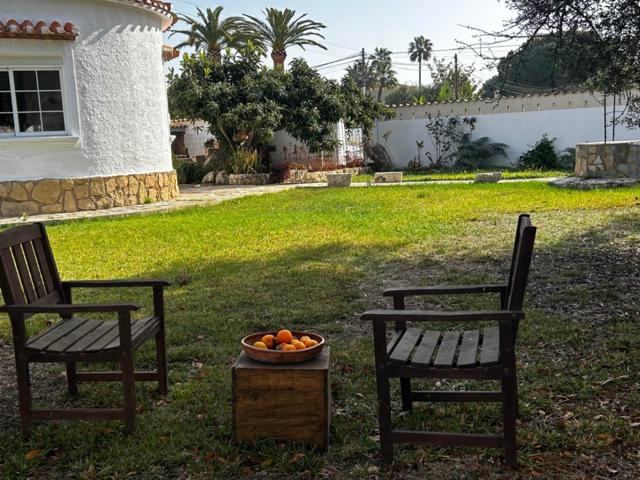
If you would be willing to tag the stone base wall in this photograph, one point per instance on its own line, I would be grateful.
(608, 160)
(76, 194)
(305, 176)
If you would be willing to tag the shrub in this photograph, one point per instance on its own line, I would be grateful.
(567, 159)
(244, 161)
(475, 153)
(190, 171)
(541, 156)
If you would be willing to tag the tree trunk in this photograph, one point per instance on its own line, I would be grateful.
(380, 93)
(419, 76)
(215, 54)
(278, 57)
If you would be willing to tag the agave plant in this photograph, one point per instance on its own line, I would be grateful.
(280, 30)
(419, 51)
(211, 33)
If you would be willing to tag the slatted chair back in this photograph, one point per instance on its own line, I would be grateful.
(521, 261)
(28, 271)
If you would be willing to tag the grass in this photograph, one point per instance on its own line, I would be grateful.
(469, 175)
(316, 258)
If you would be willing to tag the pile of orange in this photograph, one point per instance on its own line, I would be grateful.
(285, 341)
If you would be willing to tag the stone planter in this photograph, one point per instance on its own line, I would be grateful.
(338, 179)
(608, 160)
(249, 178)
(489, 177)
(305, 176)
(387, 177)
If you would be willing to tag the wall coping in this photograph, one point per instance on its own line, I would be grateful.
(49, 140)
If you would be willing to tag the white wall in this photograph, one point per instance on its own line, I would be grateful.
(114, 91)
(195, 137)
(520, 131)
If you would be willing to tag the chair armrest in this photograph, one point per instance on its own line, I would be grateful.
(115, 283)
(444, 290)
(378, 316)
(62, 308)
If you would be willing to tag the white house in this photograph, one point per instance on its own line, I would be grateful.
(84, 120)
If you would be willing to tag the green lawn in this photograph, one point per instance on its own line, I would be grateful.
(470, 175)
(316, 258)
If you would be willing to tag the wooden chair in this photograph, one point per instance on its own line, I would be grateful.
(486, 353)
(30, 285)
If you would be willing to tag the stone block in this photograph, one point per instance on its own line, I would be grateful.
(110, 185)
(97, 187)
(17, 209)
(122, 181)
(387, 177)
(66, 185)
(133, 186)
(488, 177)
(4, 190)
(46, 192)
(81, 190)
(209, 178)
(18, 192)
(339, 179)
(54, 208)
(69, 202)
(86, 204)
(104, 202)
(222, 178)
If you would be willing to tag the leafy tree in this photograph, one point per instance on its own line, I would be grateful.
(420, 50)
(361, 73)
(244, 103)
(447, 134)
(607, 32)
(281, 30)
(212, 34)
(444, 78)
(400, 95)
(541, 64)
(382, 70)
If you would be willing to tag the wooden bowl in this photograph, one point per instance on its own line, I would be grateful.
(278, 356)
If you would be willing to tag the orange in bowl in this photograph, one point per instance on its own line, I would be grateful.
(284, 336)
(289, 348)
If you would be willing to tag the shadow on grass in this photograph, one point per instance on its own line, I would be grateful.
(577, 353)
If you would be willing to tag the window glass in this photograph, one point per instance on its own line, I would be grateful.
(27, 101)
(36, 102)
(6, 105)
(30, 122)
(51, 101)
(48, 80)
(53, 122)
(6, 123)
(24, 80)
(4, 81)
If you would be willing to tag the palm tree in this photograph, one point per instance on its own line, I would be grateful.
(211, 33)
(382, 70)
(419, 50)
(281, 30)
(362, 74)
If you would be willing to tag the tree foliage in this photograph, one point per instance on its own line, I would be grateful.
(444, 79)
(604, 34)
(280, 30)
(420, 51)
(244, 103)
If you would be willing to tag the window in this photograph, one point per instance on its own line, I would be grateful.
(31, 102)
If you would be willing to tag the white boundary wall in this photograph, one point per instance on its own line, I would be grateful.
(518, 122)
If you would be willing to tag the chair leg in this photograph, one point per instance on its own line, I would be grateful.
(405, 389)
(24, 396)
(129, 388)
(509, 413)
(161, 361)
(384, 417)
(72, 380)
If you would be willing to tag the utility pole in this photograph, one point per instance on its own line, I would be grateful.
(455, 77)
(364, 74)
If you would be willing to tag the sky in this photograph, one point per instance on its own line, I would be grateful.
(356, 24)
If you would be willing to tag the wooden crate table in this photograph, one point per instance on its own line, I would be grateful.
(286, 402)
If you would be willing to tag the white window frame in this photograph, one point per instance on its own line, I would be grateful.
(35, 68)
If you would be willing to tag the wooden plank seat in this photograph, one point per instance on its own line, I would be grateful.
(30, 285)
(482, 353)
(446, 349)
(77, 335)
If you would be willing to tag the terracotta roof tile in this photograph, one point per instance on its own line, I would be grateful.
(169, 53)
(26, 29)
(159, 7)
